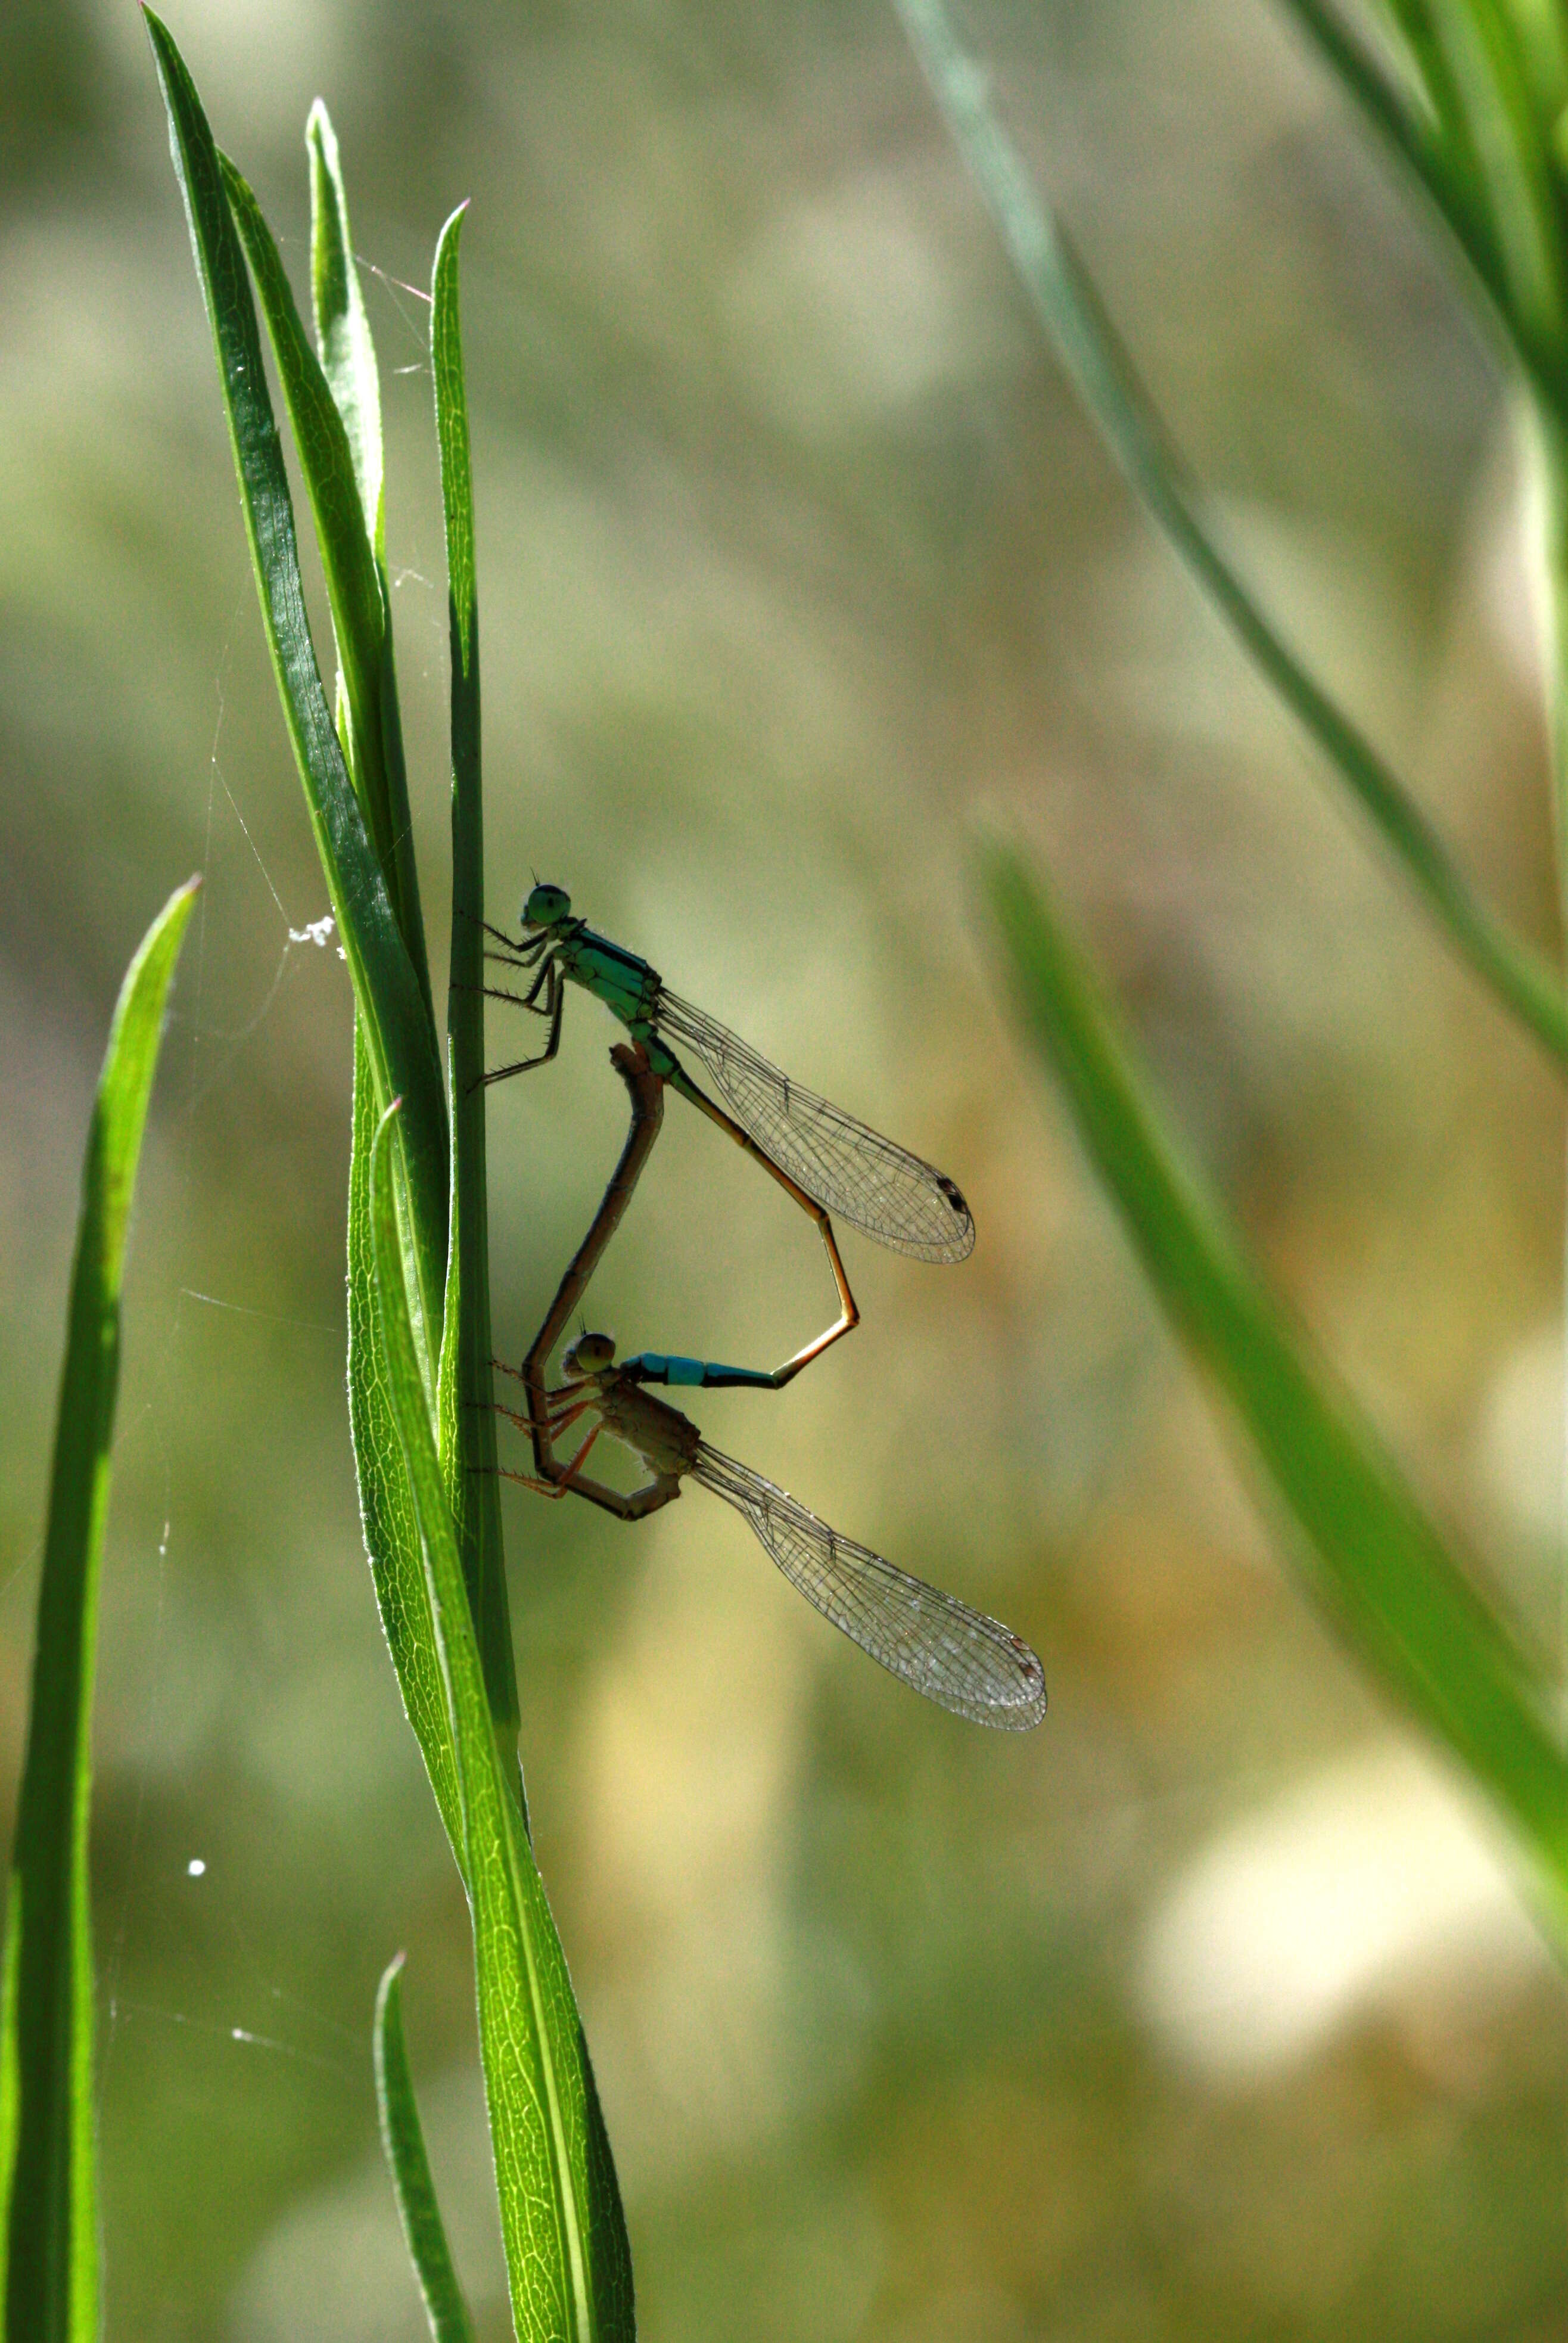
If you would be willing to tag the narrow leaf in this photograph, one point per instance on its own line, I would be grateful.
(386, 1514)
(467, 1417)
(567, 2253)
(1482, 47)
(48, 2183)
(1066, 305)
(326, 464)
(348, 361)
(395, 1022)
(1370, 1555)
(403, 2138)
(1438, 154)
(342, 329)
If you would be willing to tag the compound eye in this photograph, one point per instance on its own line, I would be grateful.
(589, 1355)
(546, 907)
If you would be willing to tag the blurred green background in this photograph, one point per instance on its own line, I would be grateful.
(1208, 2010)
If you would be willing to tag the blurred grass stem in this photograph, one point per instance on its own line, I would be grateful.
(1068, 306)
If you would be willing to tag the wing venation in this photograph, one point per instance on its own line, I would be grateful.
(957, 1657)
(849, 1169)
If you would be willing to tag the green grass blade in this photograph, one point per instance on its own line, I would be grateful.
(386, 1514)
(403, 2138)
(348, 361)
(1416, 30)
(566, 2254)
(1070, 310)
(326, 464)
(1491, 74)
(48, 2183)
(342, 329)
(467, 1394)
(1369, 1555)
(1442, 157)
(1439, 154)
(395, 1020)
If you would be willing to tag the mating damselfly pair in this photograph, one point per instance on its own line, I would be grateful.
(828, 1163)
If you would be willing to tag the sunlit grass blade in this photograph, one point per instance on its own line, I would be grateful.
(403, 2138)
(1368, 1553)
(1486, 58)
(1069, 309)
(1474, 183)
(1414, 27)
(394, 1015)
(347, 358)
(387, 1513)
(566, 2251)
(343, 338)
(386, 1509)
(468, 1421)
(326, 465)
(1437, 152)
(48, 2180)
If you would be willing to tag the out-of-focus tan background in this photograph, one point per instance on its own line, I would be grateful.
(1206, 2011)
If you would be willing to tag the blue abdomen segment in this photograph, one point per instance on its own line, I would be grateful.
(656, 1367)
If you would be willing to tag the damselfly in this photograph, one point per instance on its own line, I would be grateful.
(824, 1157)
(960, 1658)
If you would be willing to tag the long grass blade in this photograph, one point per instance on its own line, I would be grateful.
(48, 2181)
(387, 1517)
(327, 467)
(567, 2253)
(348, 362)
(1491, 75)
(467, 1418)
(403, 2138)
(1369, 1555)
(1440, 158)
(1069, 309)
(347, 358)
(343, 338)
(395, 1017)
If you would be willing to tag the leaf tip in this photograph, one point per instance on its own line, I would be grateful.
(453, 228)
(391, 1975)
(321, 138)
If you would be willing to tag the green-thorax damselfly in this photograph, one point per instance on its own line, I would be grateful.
(817, 1150)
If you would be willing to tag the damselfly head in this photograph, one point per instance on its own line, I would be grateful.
(546, 907)
(589, 1354)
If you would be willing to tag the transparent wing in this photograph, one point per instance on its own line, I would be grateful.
(956, 1657)
(848, 1168)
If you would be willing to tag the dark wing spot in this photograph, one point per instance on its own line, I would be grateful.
(952, 1194)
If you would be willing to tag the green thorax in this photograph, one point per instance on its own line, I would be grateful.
(627, 986)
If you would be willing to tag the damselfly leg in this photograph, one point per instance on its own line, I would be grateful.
(554, 993)
(848, 1316)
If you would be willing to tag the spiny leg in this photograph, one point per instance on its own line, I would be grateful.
(530, 947)
(848, 1316)
(517, 1000)
(568, 1476)
(541, 975)
(625, 1506)
(554, 993)
(559, 1419)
